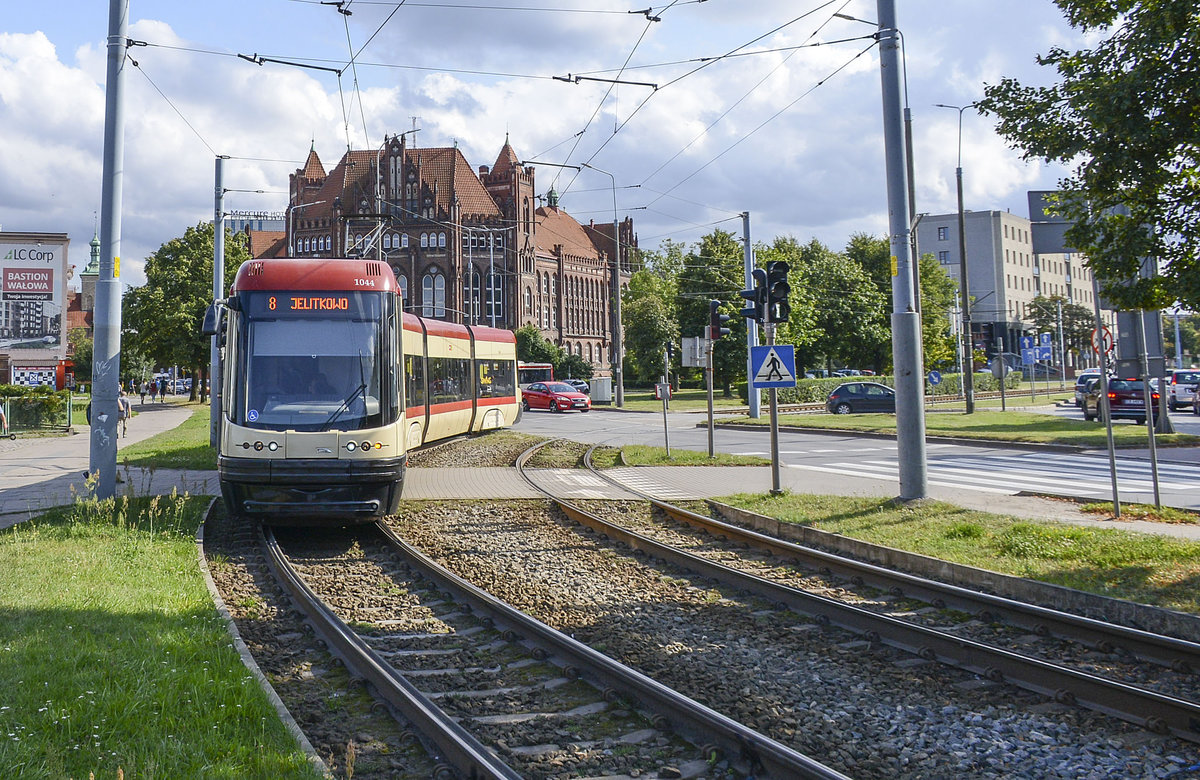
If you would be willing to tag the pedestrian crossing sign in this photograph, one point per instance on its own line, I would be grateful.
(773, 366)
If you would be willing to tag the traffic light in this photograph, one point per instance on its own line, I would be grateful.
(779, 309)
(757, 309)
(716, 321)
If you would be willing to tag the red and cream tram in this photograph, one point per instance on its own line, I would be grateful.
(327, 384)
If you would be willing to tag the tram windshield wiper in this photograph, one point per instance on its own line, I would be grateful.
(345, 405)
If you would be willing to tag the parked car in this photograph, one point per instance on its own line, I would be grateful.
(1126, 401)
(1081, 382)
(579, 385)
(1182, 389)
(555, 396)
(856, 397)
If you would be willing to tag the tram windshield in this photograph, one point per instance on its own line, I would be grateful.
(313, 361)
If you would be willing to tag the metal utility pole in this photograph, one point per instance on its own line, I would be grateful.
(1148, 403)
(906, 321)
(1102, 351)
(968, 351)
(752, 325)
(106, 345)
(618, 341)
(214, 347)
(773, 399)
(1062, 352)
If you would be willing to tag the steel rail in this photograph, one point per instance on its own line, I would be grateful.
(1153, 711)
(702, 725)
(1179, 655)
(462, 750)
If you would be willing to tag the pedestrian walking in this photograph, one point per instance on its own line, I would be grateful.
(153, 390)
(124, 412)
(162, 391)
(142, 391)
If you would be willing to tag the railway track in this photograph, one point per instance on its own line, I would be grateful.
(900, 622)
(478, 678)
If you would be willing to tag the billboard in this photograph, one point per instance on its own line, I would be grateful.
(33, 289)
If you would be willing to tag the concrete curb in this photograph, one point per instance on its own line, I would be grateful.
(248, 660)
(1129, 613)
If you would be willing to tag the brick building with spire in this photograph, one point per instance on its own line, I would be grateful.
(466, 245)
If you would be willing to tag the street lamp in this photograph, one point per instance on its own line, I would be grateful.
(968, 353)
(618, 341)
(618, 347)
(291, 208)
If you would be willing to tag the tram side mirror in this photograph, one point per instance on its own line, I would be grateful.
(212, 319)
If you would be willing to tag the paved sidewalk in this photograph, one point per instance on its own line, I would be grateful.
(38, 473)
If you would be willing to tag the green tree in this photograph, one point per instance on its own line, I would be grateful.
(846, 310)
(533, 347)
(937, 299)
(80, 342)
(649, 327)
(1077, 321)
(163, 316)
(1189, 337)
(1123, 114)
(714, 270)
(874, 255)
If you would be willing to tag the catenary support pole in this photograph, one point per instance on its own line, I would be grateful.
(1102, 403)
(906, 321)
(106, 317)
(751, 325)
(214, 347)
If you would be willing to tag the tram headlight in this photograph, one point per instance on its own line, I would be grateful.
(366, 445)
(351, 446)
(258, 445)
(273, 446)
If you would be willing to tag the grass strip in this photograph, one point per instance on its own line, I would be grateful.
(183, 447)
(1147, 568)
(113, 658)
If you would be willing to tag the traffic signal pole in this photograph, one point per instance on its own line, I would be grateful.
(752, 325)
(906, 321)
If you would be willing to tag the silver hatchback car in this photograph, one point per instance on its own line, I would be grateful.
(1182, 388)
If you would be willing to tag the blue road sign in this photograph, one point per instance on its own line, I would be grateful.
(1026, 343)
(1028, 354)
(773, 366)
(1044, 340)
(935, 377)
(1045, 353)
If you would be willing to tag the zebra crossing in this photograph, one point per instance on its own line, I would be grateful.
(1066, 474)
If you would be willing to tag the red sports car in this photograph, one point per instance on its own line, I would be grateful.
(555, 396)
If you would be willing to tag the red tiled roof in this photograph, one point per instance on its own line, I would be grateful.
(442, 169)
(267, 243)
(507, 158)
(555, 226)
(313, 169)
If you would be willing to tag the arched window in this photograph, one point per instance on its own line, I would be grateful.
(433, 295)
(424, 240)
(404, 241)
(402, 280)
(553, 301)
(387, 240)
(589, 353)
(441, 240)
(528, 301)
(358, 240)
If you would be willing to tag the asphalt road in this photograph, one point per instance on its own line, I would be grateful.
(954, 469)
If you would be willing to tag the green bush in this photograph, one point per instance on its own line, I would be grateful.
(31, 408)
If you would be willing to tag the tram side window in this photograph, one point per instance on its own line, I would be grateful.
(414, 380)
(496, 378)
(449, 380)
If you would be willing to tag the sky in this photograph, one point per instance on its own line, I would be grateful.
(785, 129)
